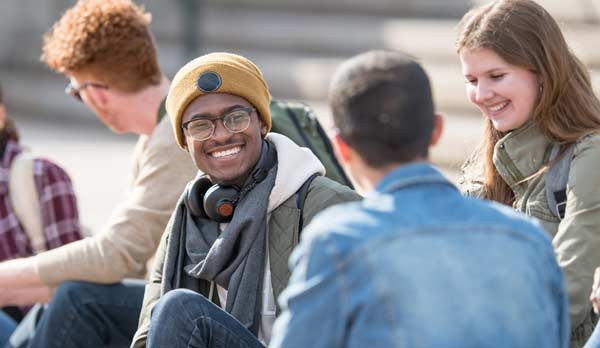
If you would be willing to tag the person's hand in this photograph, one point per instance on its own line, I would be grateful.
(595, 295)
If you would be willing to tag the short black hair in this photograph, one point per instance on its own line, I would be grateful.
(383, 107)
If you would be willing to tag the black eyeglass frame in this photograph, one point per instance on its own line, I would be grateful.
(75, 91)
(249, 110)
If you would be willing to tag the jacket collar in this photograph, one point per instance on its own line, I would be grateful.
(411, 174)
(295, 165)
(521, 153)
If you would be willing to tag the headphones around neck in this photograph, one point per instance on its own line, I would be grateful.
(217, 202)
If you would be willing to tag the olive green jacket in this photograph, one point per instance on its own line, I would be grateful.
(576, 239)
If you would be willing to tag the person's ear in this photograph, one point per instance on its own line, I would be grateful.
(263, 128)
(341, 148)
(97, 98)
(438, 127)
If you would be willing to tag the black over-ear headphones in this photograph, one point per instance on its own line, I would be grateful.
(217, 202)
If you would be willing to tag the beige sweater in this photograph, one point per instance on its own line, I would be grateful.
(132, 234)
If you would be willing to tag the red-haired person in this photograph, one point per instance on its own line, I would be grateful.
(106, 50)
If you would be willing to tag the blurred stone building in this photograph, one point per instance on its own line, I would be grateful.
(297, 44)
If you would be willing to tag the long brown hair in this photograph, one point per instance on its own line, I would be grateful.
(524, 34)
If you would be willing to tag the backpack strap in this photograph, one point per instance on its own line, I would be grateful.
(556, 180)
(25, 199)
(292, 115)
(301, 198)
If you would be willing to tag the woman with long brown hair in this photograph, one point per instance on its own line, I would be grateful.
(540, 111)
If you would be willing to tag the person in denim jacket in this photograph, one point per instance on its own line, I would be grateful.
(415, 264)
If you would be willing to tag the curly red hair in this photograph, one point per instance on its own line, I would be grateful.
(107, 38)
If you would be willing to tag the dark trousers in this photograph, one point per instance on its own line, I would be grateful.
(85, 314)
(184, 318)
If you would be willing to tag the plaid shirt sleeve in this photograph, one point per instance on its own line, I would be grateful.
(60, 217)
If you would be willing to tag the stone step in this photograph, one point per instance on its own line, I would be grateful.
(297, 31)
(327, 34)
(577, 11)
(404, 8)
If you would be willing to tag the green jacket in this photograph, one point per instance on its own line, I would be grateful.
(576, 239)
(283, 237)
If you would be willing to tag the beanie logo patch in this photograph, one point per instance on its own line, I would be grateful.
(209, 81)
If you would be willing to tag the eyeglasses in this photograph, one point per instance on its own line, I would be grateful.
(235, 121)
(75, 91)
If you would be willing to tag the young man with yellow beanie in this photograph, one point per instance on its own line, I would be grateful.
(223, 259)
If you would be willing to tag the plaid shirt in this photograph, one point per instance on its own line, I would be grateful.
(58, 205)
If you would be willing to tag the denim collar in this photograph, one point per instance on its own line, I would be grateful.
(411, 174)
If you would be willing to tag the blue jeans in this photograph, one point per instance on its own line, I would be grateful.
(594, 340)
(7, 326)
(184, 318)
(90, 315)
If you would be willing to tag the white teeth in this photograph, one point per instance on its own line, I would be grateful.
(232, 151)
(498, 107)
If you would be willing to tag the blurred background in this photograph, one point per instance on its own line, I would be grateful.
(297, 45)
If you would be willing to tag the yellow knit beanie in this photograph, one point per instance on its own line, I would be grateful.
(217, 73)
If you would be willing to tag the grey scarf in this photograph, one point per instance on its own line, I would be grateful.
(234, 258)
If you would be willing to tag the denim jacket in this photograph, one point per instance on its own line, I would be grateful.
(417, 264)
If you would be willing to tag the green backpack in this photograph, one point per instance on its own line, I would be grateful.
(298, 122)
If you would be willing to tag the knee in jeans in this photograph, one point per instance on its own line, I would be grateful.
(73, 291)
(173, 302)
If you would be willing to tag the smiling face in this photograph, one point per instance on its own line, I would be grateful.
(505, 93)
(227, 158)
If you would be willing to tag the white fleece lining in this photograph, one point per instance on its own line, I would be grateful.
(295, 165)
